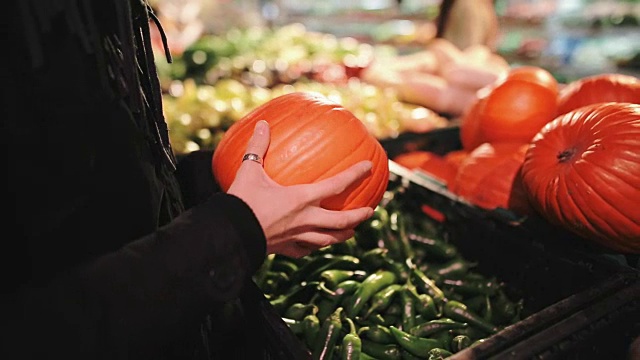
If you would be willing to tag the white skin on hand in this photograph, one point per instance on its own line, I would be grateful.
(291, 217)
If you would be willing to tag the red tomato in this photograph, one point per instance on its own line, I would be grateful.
(597, 89)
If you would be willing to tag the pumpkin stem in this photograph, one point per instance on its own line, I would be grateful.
(566, 155)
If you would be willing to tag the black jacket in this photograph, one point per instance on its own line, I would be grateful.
(100, 259)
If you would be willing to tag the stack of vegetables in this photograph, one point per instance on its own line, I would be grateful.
(568, 153)
(396, 290)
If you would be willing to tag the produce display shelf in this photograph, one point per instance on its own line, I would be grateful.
(579, 301)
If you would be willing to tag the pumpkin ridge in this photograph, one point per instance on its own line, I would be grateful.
(284, 171)
(611, 206)
(336, 129)
(291, 132)
(578, 211)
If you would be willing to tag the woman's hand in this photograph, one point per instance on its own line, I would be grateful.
(291, 217)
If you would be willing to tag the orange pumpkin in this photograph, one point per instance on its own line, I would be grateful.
(431, 163)
(582, 171)
(597, 89)
(312, 138)
(489, 177)
(512, 109)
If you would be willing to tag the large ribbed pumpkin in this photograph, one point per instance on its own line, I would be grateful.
(312, 138)
(582, 171)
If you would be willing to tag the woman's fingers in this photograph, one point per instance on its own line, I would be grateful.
(257, 145)
(338, 183)
(334, 220)
(307, 242)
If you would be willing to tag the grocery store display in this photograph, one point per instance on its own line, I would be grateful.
(220, 78)
(312, 138)
(398, 289)
(583, 171)
(599, 88)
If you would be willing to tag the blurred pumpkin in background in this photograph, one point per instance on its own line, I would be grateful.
(513, 109)
(489, 177)
(597, 89)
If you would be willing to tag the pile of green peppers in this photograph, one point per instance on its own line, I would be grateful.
(397, 290)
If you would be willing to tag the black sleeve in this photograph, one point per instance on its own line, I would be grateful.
(85, 270)
(195, 177)
(153, 289)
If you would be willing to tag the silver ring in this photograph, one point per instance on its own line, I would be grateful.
(252, 157)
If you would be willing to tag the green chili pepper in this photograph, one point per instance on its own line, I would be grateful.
(372, 284)
(444, 337)
(328, 336)
(343, 290)
(381, 300)
(284, 265)
(295, 325)
(298, 311)
(381, 351)
(505, 310)
(395, 309)
(351, 343)
(332, 277)
(397, 224)
(369, 233)
(459, 312)
(426, 285)
(434, 326)
(312, 269)
(472, 332)
(438, 248)
(398, 268)
(471, 288)
(407, 300)
(439, 354)
(476, 303)
(365, 356)
(426, 307)
(487, 311)
(386, 320)
(278, 277)
(452, 269)
(301, 292)
(409, 356)
(261, 274)
(347, 247)
(376, 333)
(374, 259)
(418, 346)
(310, 330)
(460, 342)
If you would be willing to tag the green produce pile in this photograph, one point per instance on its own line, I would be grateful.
(198, 115)
(221, 77)
(397, 290)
